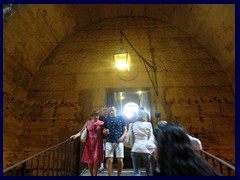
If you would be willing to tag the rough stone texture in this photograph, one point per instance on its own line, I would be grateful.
(55, 74)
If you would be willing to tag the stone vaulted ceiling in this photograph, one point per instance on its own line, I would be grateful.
(58, 66)
(212, 25)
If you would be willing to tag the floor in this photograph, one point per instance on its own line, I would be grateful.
(126, 172)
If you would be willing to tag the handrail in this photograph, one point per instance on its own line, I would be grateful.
(66, 162)
(61, 159)
(25, 160)
(223, 167)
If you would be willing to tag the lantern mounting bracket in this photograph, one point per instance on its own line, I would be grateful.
(145, 62)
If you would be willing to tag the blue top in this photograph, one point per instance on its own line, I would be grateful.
(104, 119)
(116, 128)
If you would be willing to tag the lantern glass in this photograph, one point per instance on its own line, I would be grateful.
(122, 61)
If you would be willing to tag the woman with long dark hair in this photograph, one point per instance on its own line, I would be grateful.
(175, 154)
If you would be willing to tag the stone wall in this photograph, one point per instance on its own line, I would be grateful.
(193, 89)
(30, 33)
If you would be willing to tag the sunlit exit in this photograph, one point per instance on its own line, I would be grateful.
(130, 109)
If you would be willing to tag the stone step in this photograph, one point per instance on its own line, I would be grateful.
(125, 172)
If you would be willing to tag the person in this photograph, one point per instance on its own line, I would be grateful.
(143, 145)
(194, 141)
(93, 149)
(115, 131)
(175, 154)
(103, 117)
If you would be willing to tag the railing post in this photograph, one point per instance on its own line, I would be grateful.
(70, 161)
(222, 164)
(23, 169)
(77, 157)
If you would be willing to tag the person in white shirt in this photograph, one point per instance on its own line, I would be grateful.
(143, 145)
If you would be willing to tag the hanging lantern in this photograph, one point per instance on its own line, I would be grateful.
(122, 60)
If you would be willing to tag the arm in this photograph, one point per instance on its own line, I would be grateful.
(79, 133)
(151, 136)
(105, 131)
(105, 128)
(151, 140)
(123, 135)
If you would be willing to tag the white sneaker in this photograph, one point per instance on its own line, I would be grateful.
(101, 168)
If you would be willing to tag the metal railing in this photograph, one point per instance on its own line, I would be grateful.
(221, 166)
(62, 159)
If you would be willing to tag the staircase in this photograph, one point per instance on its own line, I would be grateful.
(64, 159)
(125, 172)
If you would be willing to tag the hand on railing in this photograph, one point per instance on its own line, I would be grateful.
(75, 136)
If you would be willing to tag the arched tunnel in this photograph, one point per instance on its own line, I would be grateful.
(58, 65)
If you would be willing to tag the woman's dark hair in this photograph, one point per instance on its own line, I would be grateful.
(175, 154)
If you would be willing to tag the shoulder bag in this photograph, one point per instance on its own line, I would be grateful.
(129, 139)
(84, 134)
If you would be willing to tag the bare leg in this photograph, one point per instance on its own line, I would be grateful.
(120, 166)
(95, 169)
(102, 164)
(90, 167)
(109, 166)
